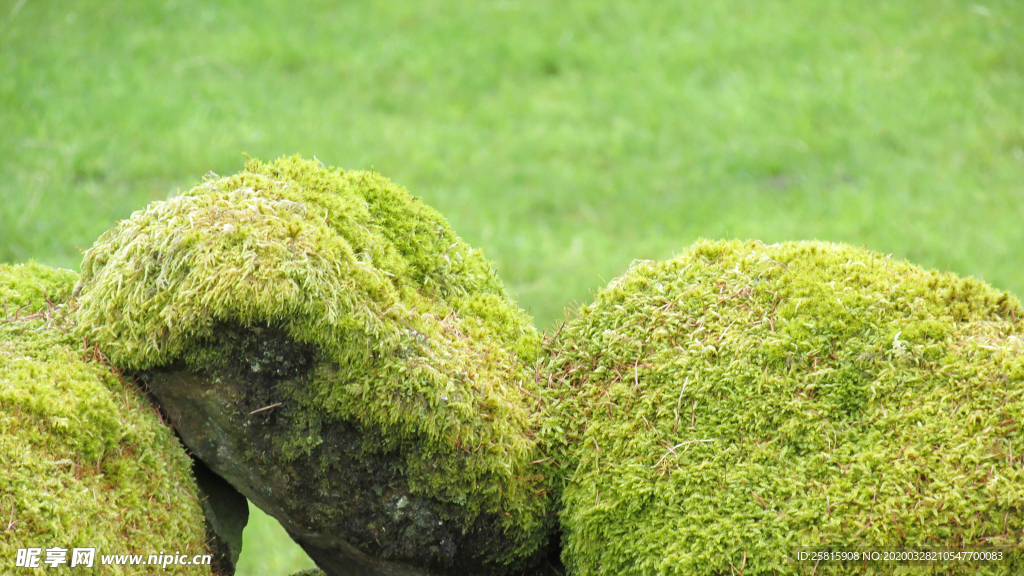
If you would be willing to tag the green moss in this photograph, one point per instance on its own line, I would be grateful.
(419, 345)
(720, 409)
(30, 286)
(86, 461)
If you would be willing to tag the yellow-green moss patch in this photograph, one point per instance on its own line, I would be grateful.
(719, 409)
(86, 461)
(30, 286)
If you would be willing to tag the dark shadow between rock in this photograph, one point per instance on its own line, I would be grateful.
(227, 513)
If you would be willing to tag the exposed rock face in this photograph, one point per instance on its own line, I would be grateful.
(232, 416)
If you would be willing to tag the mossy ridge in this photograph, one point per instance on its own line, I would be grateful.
(87, 462)
(721, 408)
(378, 282)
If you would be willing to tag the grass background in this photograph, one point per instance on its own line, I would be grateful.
(564, 138)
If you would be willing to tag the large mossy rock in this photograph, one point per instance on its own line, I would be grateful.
(84, 460)
(324, 342)
(712, 413)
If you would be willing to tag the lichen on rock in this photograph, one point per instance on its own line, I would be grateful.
(331, 317)
(86, 461)
(712, 413)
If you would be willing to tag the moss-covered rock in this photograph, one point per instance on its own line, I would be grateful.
(328, 345)
(352, 366)
(86, 461)
(710, 414)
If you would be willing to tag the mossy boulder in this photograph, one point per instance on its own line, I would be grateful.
(86, 461)
(327, 344)
(712, 413)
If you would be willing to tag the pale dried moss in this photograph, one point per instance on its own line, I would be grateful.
(86, 461)
(421, 346)
(719, 409)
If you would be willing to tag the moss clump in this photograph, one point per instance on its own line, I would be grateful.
(86, 461)
(32, 286)
(722, 408)
(416, 343)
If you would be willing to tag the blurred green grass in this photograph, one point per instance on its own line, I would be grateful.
(564, 138)
(267, 549)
